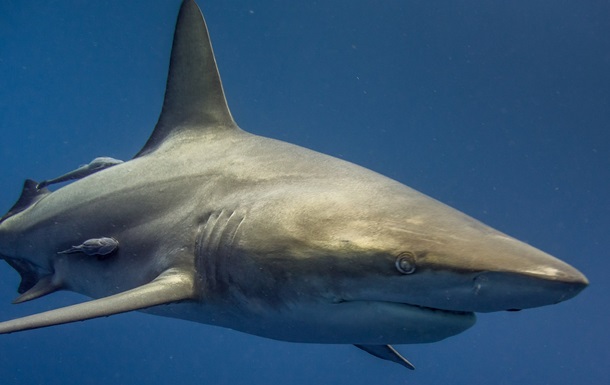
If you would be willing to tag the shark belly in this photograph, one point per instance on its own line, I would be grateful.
(358, 322)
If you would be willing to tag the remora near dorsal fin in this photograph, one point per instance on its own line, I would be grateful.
(171, 286)
(194, 98)
(29, 195)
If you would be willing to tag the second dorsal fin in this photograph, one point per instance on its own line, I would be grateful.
(30, 194)
(194, 97)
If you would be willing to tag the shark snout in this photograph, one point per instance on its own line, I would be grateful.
(470, 267)
(527, 283)
(501, 273)
(495, 291)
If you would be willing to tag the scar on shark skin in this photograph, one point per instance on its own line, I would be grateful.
(97, 164)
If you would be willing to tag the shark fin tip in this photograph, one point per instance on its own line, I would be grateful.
(46, 285)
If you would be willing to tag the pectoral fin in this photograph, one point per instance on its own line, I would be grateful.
(171, 286)
(386, 352)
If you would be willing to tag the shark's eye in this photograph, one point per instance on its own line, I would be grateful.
(405, 263)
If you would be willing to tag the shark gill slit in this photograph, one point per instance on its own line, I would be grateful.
(214, 244)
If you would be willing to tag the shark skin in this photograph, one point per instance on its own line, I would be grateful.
(223, 227)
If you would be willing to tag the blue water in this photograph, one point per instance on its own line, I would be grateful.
(500, 109)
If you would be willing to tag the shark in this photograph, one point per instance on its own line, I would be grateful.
(216, 225)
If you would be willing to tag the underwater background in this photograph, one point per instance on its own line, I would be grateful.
(499, 109)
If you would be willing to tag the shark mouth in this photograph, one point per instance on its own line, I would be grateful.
(419, 307)
(404, 323)
(437, 310)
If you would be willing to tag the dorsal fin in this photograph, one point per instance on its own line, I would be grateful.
(194, 98)
(29, 195)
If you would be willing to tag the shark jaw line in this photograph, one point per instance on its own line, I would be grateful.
(401, 323)
(352, 322)
(422, 308)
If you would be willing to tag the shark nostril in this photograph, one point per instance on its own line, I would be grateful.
(405, 263)
(478, 282)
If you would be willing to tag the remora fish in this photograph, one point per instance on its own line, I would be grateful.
(219, 226)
